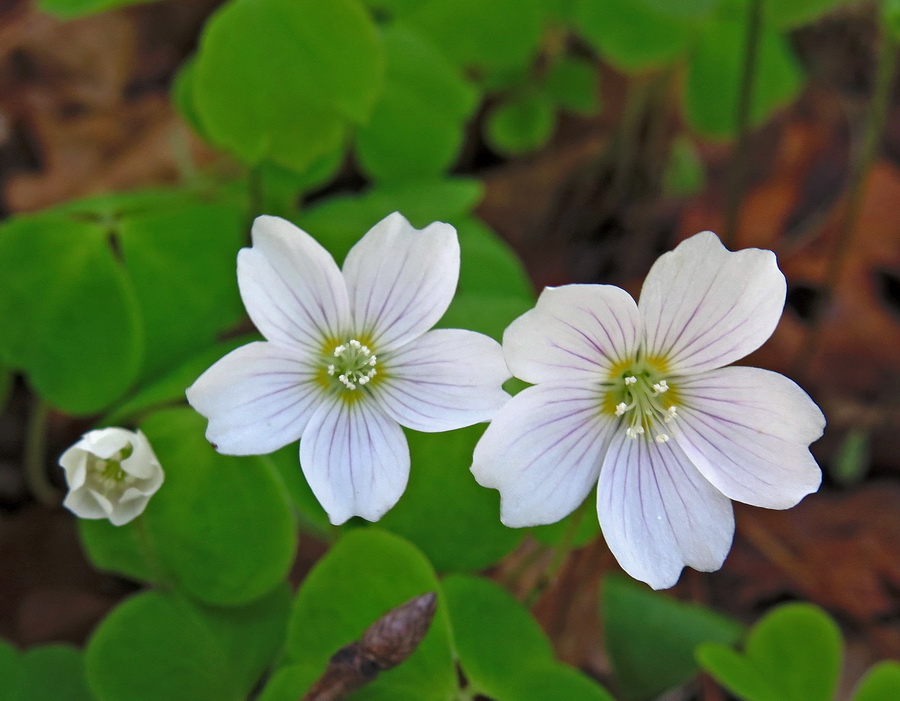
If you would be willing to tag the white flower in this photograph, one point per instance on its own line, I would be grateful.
(637, 396)
(111, 473)
(349, 359)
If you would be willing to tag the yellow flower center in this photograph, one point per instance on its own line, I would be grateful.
(637, 391)
(350, 365)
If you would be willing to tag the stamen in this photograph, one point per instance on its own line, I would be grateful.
(630, 380)
(662, 438)
(354, 364)
(621, 408)
(661, 386)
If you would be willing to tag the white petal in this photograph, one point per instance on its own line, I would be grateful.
(575, 332)
(543, 452)
(257, 398)
(446, 379)
(748, 431)
(291, 286)
(143, 463)
(401, 280)
(85, 504)
(704, 307)
(658, 514)
(128, 510)
(355, 459)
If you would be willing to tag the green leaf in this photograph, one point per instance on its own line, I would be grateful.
(714, 76)
(571, 83)
(488, 263)
(69, 9)
(690, 9)
(167, 252)
(169, 388)
(51, 672)
(789, 14)
(632, 35)
(792, 654)
(586, 530)
(367, 573)
(220, 528)
(881, 683)
(488, 35)
(444, 511)
(890, 16)
(159, 646)
(418, 124)
(685, 173)
(651, 638)
(552, 681)
(68, 311)
(279, 79)
(340, 222)
(282, 187)
(486, 313)
(520, 124)
(496, 636)
(310, 514)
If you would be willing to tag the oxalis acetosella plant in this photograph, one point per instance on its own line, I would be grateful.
(632, 397)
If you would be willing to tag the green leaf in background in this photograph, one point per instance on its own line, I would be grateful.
(586, 530)
(496, 636)
(890, 16)
(280, 79)
(220, 528)
(503, 652)
(714, 76)
(488, 263)
(633, 35)
(48, 672)
(310, 514)
(487, 35)
(169, 388)
(552, 681)
(792, 654)
(691, 9)
(651, 638)
(571, 83)
(788, 14)
(443, 511)
(68, 311)
(418, 124)
(156, 646)
(363, 576)
(520, 123)
(168, 253)
(685, 173)
(338, 223)
(881, 683)
(486, 313)
(281, 187)
(68, 9)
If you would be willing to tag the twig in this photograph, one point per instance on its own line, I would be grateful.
(745, 98)
(385, 644)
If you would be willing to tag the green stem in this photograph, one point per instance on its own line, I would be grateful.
(35, 456)
(871, 138)
(255, 193)
(738, 164)
(560, 553)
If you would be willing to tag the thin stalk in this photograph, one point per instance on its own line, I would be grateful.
(560, 553)
(871, 138)
(738, 165)
(35, 455)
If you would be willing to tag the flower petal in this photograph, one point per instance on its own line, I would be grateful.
(257, 398)
(291, 286)
(401, 280)
(543, 452)
(86, 503)
(576, 332)
(355, 459)
(658, 514)
(704, 307)
(748, 431)
(443, 380)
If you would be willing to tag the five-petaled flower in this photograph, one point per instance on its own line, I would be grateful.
(348, 359)
(638, 397)
(111, 473)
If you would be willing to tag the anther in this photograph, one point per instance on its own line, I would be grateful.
(661, 387)
(621, 408)
(630, 380)
(662, 438)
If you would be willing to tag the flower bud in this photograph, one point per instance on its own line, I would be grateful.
(111, 473)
